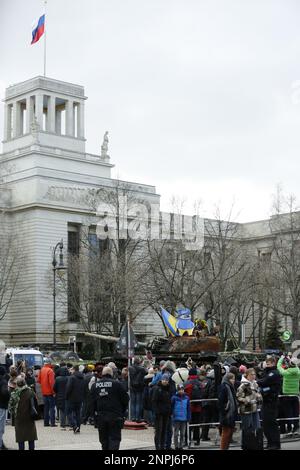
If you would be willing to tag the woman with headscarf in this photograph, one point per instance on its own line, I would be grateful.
(20, 406)
(227, 409)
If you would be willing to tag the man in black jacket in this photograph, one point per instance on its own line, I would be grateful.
(110, 402)
(4, 399)
(75, 395)
(270, 386)
(136, 376)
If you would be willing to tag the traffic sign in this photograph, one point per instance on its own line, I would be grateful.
(286, 335)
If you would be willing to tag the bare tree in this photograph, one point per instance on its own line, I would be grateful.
(284, 288)
(104, 279)
(230, 273)
(11, 256)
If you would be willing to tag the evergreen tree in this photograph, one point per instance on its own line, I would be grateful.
(274, 332)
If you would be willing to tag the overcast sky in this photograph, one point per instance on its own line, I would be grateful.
(201, 98)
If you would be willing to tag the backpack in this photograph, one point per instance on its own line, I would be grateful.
(196, 391)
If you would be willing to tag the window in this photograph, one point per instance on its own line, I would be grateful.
(73, 275)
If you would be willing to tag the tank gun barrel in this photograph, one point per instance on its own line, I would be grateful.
(112, 339)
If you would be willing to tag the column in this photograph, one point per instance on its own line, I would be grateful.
(80, 120)
(16, 119)
(69, 118)
(22, 108)
(29, 113)
(7, 122)
(51, 114)
(39, 108)
(58, 121)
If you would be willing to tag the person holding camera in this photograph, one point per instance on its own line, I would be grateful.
(249, 400)
(110, 401)
(270, 386)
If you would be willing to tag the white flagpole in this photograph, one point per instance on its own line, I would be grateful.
(45, 36)
(128, 364)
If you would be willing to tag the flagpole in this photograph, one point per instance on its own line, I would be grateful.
(128, 364)
(45, 36)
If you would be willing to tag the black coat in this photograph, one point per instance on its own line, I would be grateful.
(4, 393)
(109, 398)
(60, 387)
(227, 405)
(136, 375)
(75, 388)
(270, 385)
(147, 395)
(161, 399)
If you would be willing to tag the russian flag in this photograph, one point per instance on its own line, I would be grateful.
(38, 29)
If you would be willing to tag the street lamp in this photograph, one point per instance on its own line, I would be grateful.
(59, 267)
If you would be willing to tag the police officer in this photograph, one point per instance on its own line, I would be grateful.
(110, 402)
(270, 386)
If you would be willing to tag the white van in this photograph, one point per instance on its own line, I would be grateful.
(32, 357)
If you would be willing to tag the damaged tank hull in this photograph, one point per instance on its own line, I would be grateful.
(206, 348)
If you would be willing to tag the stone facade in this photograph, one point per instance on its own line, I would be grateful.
(48, 177)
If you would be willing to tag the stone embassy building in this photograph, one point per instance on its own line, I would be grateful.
(49, 173)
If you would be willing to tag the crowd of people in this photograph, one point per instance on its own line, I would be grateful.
(181, 402)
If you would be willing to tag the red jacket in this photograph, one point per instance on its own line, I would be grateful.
(46, 378)
(188, 387)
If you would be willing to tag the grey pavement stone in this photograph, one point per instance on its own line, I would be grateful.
(55, 439)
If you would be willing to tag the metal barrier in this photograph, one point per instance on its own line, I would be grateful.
(189, 425)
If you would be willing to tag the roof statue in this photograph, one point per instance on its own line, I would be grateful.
(104, 146)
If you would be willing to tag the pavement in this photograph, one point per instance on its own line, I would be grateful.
(50, 438)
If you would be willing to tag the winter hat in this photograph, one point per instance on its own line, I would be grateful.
(165, 377)
(242, 369)
(2, 370)
(107, 371)
(47, 360)
(112, 365)
(193, 372)
(226, 368)
(170, 366)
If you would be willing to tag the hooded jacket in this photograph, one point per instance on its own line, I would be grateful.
(60, 387)
(181, 410)
(248, 397)
(291, 377)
